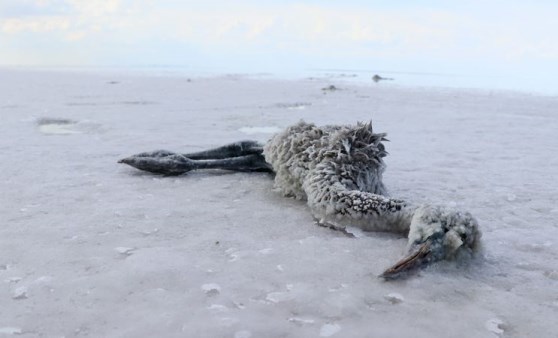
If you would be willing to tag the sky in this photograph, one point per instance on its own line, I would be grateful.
(454, 37)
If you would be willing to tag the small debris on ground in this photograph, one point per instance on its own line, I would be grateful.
(20, 293)
(494, 325)
(394, 298)
(211, 289)
(124, 251)
(378, 78)
(330, 88)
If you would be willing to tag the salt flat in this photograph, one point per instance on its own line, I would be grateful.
(92, 248)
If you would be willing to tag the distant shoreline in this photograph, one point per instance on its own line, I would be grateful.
(404, 79)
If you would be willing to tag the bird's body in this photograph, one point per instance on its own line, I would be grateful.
(338, 171)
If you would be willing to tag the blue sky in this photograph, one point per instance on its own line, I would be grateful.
(495, 37)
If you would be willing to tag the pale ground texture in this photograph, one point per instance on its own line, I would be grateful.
(91, 248)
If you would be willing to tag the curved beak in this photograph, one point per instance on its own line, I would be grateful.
(417, 258)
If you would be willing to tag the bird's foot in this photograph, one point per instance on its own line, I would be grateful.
(160, 162)
(436, 234)
(155, 154)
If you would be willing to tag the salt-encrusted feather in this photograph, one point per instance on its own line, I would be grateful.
(338, 170)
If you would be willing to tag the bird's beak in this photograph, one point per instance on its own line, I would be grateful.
(419, 256)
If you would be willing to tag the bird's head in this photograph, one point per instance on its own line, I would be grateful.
(437, 233)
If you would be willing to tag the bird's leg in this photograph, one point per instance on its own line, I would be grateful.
(238, 156)
(154, 154)
(436, 234)
(236, 149)
(167, 163)
(246, 163)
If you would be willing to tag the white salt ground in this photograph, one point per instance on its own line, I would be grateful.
(259, 130)
(95, 249)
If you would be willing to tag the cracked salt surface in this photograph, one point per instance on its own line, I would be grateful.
(72, 215)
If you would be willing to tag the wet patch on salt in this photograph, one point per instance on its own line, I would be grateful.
(295, 105)
(266, 251)
(56, 126)
(243, 334)
(301, 321)
(551, 274)
(62, 126)
(10, 331)
(217, 308)
(116, 103)
(259, 130)
(329, 330)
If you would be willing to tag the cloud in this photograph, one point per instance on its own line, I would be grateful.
(353, 30)
(26, 8)
(35, 25)
(95, 8)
